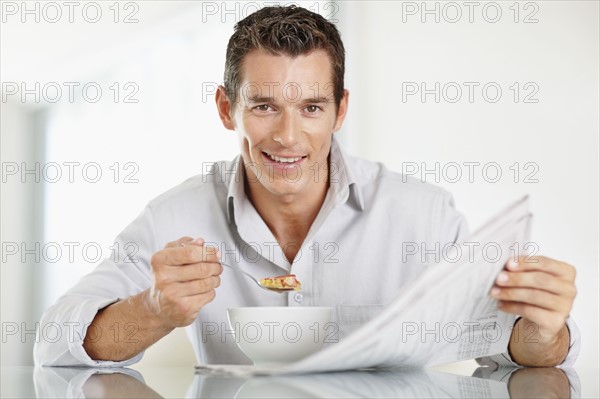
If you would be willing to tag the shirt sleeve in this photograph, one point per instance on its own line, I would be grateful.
(505, 360)
(451, 226)
(63, 327)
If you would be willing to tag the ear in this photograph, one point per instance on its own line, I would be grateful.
(225, 109)
(342, 110)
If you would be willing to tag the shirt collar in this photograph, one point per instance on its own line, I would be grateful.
(343, 182)
(343, 185)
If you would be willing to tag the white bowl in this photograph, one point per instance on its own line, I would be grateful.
(279, 335)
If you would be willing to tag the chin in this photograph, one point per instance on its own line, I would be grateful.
(284, 188)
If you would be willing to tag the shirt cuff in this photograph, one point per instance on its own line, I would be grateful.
(505, 360)
(68, 349)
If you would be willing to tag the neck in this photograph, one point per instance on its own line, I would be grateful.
(289, 217)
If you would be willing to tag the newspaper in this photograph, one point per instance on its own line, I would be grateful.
(445, 316)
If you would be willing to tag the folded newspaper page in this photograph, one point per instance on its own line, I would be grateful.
(445, 315)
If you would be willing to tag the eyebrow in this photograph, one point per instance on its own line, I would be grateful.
(317, 100)
(259, 99)
(313, 100)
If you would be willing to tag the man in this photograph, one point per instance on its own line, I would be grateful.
(292, 202)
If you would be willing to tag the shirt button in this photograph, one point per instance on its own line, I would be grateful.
(298, 297)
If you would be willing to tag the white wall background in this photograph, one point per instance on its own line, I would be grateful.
(177, 46)
(18, 225)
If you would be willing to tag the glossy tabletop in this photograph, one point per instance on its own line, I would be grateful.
(482, 382)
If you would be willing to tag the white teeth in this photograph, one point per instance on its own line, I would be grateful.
(280, 159)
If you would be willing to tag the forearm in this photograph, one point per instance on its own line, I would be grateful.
(528, 348)
(124, 329)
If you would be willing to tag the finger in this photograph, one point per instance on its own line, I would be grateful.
(195, 287)
(197, 241)
(541, 299)
(185, 255)
(195, 271)
(180, 242)
(544, 264)
(539, 280)
(543, 317)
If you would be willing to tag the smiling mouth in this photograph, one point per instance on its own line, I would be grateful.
(284, 160)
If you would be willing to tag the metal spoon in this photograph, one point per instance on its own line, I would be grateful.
(257, 282)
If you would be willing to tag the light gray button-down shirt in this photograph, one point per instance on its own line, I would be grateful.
(354, 257)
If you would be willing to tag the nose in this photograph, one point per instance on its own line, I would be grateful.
(286, 132)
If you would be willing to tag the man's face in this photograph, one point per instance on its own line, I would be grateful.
(285, 118)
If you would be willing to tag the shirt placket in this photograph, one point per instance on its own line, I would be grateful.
(302, 268)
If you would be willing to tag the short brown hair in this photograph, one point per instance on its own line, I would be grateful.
(289, 30)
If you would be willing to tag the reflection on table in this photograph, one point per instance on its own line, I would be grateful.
(67, 382)
(485, 383)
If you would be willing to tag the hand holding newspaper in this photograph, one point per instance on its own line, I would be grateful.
(446, 315)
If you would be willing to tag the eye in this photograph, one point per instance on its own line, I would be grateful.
(311, 109)
(262, 108)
